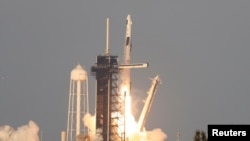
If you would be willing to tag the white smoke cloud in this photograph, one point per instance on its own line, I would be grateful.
(138, 100)
(156, 135)
(89, 122)
(5, 132)
(24, 133)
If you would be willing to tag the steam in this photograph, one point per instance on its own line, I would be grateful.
(89, 122)
(157, 135)
(154, 135)
(24, 133)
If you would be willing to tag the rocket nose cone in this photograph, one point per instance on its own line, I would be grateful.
(128, 17)
(129, 21)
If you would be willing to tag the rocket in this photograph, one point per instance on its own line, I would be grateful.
(128, 43)
(126, 66)
(127, 54)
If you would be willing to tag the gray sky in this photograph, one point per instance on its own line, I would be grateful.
(200, 49)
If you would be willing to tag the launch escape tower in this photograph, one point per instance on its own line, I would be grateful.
(78, 103)
(109, 104)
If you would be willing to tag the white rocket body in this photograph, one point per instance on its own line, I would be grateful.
(127, 53)
(128, 43)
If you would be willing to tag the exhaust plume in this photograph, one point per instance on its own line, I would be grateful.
(24, 133)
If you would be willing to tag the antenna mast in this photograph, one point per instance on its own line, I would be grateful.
(107, 39)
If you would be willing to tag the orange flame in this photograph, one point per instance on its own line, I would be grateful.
(129, 117)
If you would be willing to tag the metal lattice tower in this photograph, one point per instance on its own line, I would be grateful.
(109, 103)
(78, 103)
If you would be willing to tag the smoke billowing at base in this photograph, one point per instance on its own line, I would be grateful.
(153, 135)
(27, 132)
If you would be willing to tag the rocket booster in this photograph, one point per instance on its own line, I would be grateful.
(128, 43)
(127, 54)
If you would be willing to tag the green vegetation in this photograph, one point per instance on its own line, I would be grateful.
(200, 136)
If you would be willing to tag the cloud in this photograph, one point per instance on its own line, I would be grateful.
(27, 132)
(157, 135)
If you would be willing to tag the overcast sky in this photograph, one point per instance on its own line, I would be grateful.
(200, 49)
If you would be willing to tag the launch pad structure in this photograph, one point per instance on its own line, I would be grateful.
(109, 104)
(110, 110)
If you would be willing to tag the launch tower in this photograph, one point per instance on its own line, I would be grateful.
(78, 103)
(109, 103)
